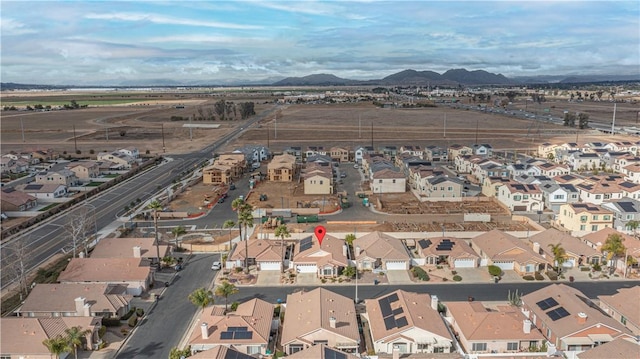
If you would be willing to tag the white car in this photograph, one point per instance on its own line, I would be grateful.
(355, 166)
(216, 266)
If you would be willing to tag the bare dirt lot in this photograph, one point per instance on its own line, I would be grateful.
(290, 195)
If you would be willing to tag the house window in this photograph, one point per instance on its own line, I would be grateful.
(479, 347)
(583, 227)
(393, 181)
(321, 181)
(379, 181)
(606, 217)
(595, 217)
(516, 198)
(598, 196)
(316, 342)
(449, 189)
(548, 333)
(594, 228)
(294, 348)
(623, 320)
(512, 346)
(253, 349)
(558, 197)
(423, 346)
(327, 271)
(526, 196)
(583, 218)
(438, 349)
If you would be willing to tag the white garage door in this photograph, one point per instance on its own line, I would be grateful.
(504, 266)
(269, 265)
(569, 263)
(464, 263)
(396, 265)
(307, 268)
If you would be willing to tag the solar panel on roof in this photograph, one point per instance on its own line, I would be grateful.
(398, 311)
(385, 308)
(305, 244)
(31, 187)
(389, 323)
(226, 335)
(557, 313)
(401, 322)
(242, 335)
(547, 303)
(393, 298)
(237, 329)
(424, 243)
(627, 206)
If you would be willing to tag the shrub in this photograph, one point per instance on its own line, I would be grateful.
(539, 276)
(139, 312)
(585, 269)
(528, 277)
(238, 269)
(420, 273)
(454, 272)
(494, 270)
(133, 321)
(596, 267)
(457, 278)
(234, 306)
(552, 275)
(111, 322)
(124, 331)
(129, 313)
(102, 331)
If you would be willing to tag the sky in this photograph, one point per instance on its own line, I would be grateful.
(222, 42)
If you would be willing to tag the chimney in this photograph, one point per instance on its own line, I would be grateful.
(332, 322)
(87, 310)
(344, 250)
(204, 330)
(536, 247)
(81, 254)
(434, 302)
(357, 251)
(526, 326)
(137, 252)
(582, 317)
(395, 354)
(80, 302)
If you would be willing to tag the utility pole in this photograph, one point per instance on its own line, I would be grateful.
(613, 123)
(372, 134)
(22, 127)
(162, 130)
(444, 133)
(360, 125)
(75, 140)
(190, 130)
(275, 127)
(476, 131)
(268, 129)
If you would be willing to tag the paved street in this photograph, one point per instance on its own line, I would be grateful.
(163, 325)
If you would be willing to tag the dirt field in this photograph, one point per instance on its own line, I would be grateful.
(406, 203)
(290, 195)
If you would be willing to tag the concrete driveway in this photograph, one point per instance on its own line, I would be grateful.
(398, 277)
(307, 279)
(268, 278)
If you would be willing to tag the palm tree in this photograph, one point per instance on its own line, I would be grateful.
(178, 231)
(282, 231)
(225, 290)
(56, 346)
(613, 248)
(559, 256)
(74, 338)
(228, 224)
(156, 206)
(245, 219)
(201, 297)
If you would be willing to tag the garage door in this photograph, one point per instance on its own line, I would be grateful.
(269, 265)
(307, 268)
(569, 263)
(519, 208)
(464, 263)
(504, 266)
(396, 265)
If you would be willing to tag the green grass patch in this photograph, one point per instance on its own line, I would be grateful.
(112, 175)
(49, 207)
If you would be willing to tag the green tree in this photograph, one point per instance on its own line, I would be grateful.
(559, 256)
(156, 206)
(282, 231)
(349, 238)
(201, 297)
(569, 120)
(74, 338)
(349, 272)
(178, 354)
(613, 248)
(57, 345)
(245, 220)
(225, 290)
(583, 121)
(633, 226)
(228, 224)
(177, 232)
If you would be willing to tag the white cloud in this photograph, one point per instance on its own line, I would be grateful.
(168, 20)
(10, 27)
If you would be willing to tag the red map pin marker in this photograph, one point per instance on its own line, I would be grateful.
(320, 232)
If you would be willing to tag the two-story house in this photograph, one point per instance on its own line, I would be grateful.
(584, 217)
(521, 197)
(282, 168)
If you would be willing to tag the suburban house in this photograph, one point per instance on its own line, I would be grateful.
(435, 153)
(413, 150)
(519, 197)
(295, 151)
(317, 317)
(253, 153)
(217, 174)
(407, 322)
(622, 146)
(339, 154)
(121, 160)
(569, 320)
(126, 271)
(22, 337)
(491, 185)
(519, 169)
(326, 260)
(76, 300)
(580, 161)
(508, 252)
(235, 161)
(380, 251)
(43, 191)
(321, 351)
(7, 164)
(419, 177)
(482, 149)
(246, 330)
(318, 179)
(265, 254)
(497, 330)
(282, 168)
(546, 150)
(361, 151)
(569, 179)
(552, 169)
(623, 308)
(597, 190)
(632, 245)
(584, 217)
(130, 151)
(388, 181)
(619, 348)
(16, 201)
(130, 248)
(631, 172)
(84, 170)
(444, 187)
(315, 150)
(577, 252)
(555, 195)
(458, 150)
(221, 352)
(63, 177)
(624, 211)
(454, 252)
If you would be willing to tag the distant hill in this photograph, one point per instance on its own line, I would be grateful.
(316, 80)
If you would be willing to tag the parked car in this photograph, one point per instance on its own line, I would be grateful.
(221, 200)
(343, 175)
(216, 266)
(232, 186)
